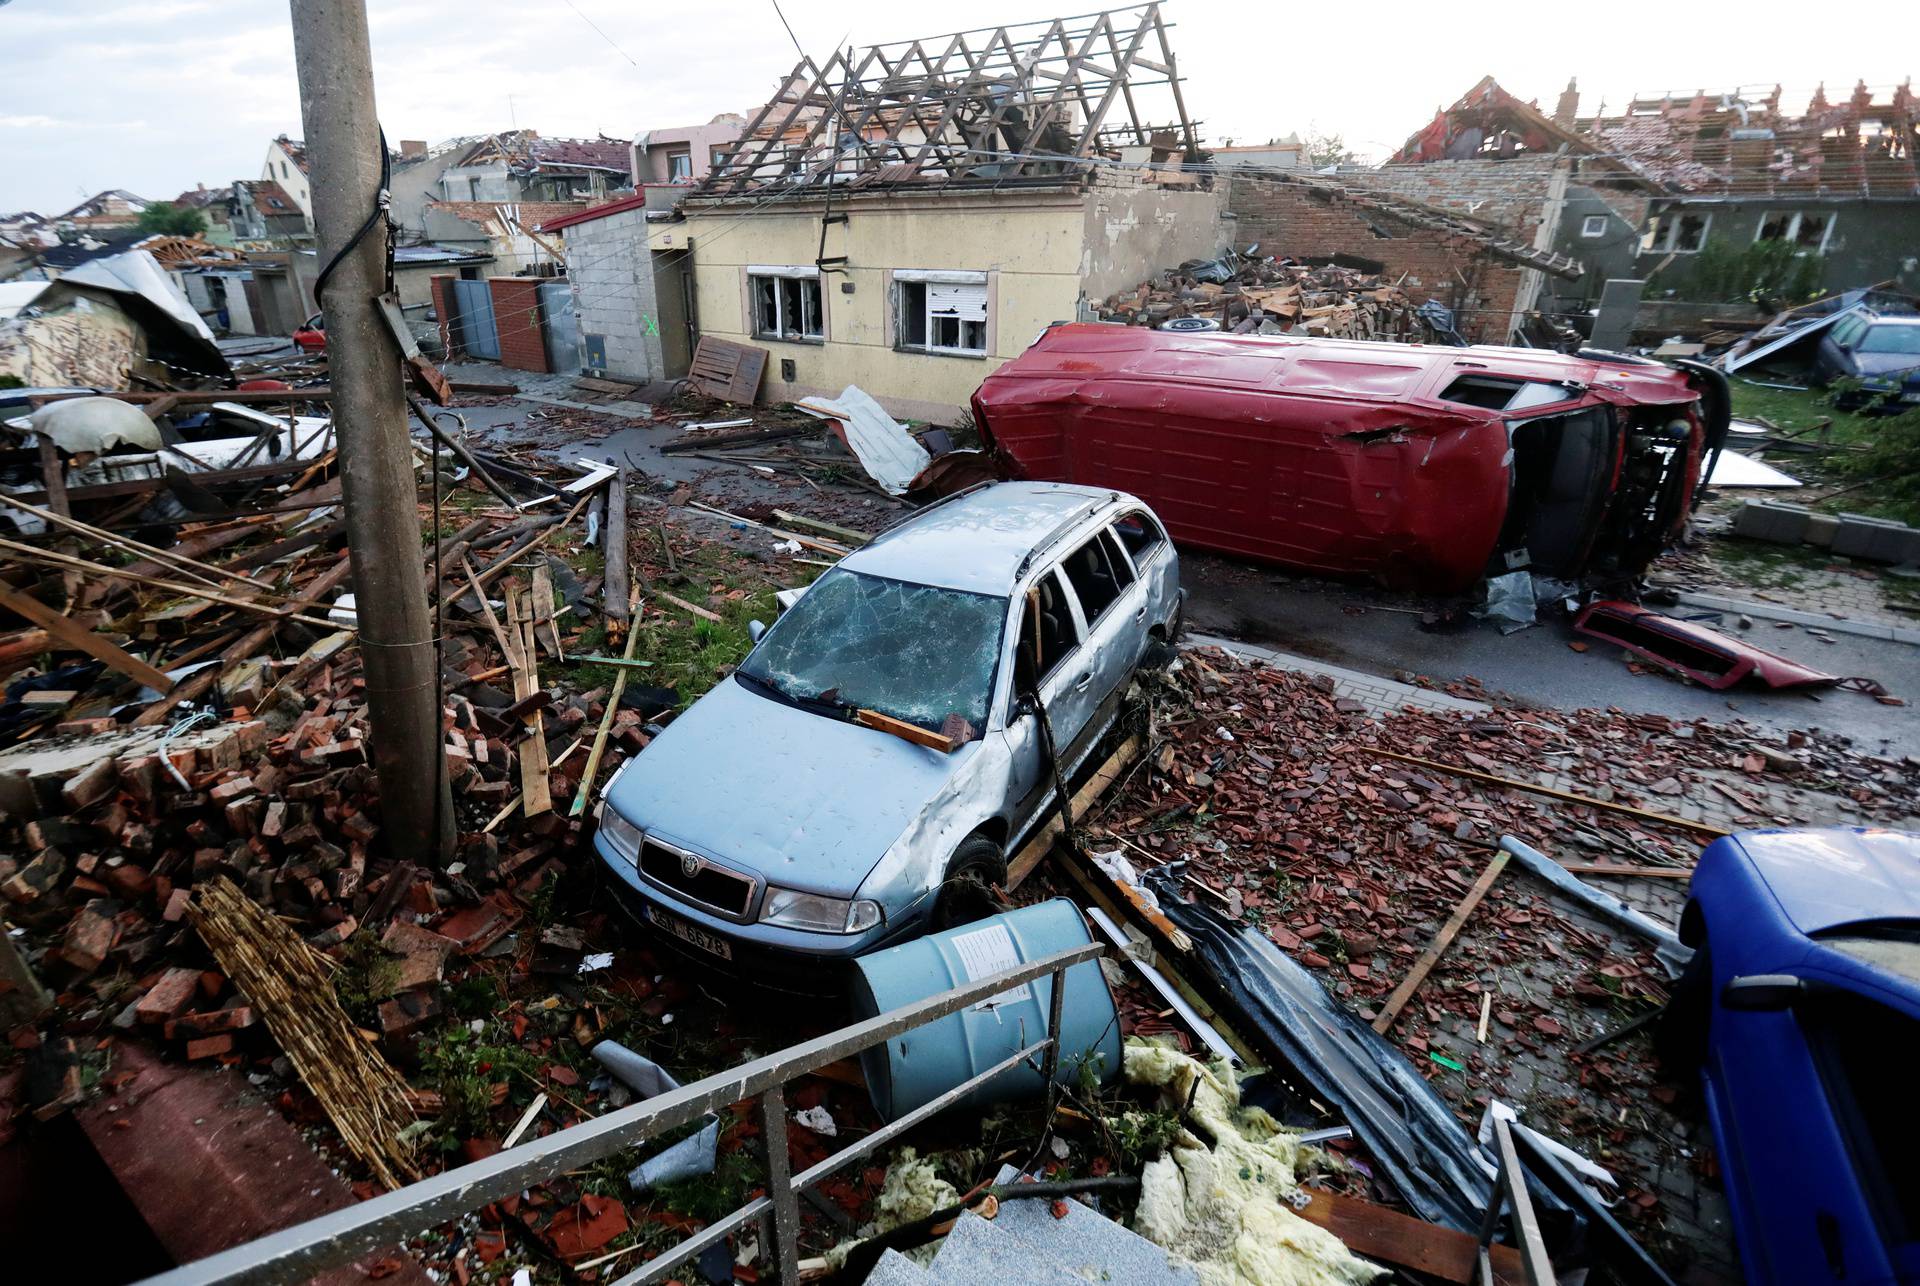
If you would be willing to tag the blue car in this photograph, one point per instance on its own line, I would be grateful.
(1801, 1008)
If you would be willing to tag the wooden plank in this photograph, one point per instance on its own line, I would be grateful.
(535, 789)
(1407, 1242)
(905, 731)
(592, 770)
(1490, 779)
(1441, 941)
(1103, 777)
(53, 474)
(685, 606)
(543, 609)
(838, 532)
(742, 437)
(82, 639)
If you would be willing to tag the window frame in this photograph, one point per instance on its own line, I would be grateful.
(673, 160)
(1076, 621)
(1588, 228)
(1792, 233)
(907, 279)
(1146, 553)
(1664, 231)
(806, 274)
(1098, 539)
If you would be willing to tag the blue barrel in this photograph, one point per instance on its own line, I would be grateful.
(918, 1066)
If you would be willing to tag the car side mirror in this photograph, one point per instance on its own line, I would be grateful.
(755, 629)
(1763, 992)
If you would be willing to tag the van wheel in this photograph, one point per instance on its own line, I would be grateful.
(1680, 1033)
(967, 893)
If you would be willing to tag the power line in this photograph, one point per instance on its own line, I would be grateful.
(603, 35)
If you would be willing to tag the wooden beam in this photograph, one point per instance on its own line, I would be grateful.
(1407, 1242)
(54, 477)
(1490, 779)
(81, 639)
(1636, 872)
(1104, 776)
(905, 731)
(1441, 941)
(685, 606)
(592, 770)
(847, 534)
(535, 789)
(617, 589)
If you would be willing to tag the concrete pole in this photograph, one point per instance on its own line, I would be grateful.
(370, 418)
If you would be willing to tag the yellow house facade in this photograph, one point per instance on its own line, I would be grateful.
(917, 295)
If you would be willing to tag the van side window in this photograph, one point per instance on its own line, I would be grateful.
(1140, 534)
(1047, 631)
(1090, 571)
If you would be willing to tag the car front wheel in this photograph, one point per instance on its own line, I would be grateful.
(967, 893)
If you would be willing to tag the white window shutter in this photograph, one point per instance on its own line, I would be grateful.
(967, 303)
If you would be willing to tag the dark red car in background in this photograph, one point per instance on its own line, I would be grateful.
(1417, 466)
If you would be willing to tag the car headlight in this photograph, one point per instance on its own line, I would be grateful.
(796, 910)
(622, 834)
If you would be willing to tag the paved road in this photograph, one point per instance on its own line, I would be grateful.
(1368, 630)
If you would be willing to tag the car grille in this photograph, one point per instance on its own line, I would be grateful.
(711, 886)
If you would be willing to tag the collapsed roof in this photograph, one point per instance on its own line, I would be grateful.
(1034, 101)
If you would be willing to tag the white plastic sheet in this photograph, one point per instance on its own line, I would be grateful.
(886, 450)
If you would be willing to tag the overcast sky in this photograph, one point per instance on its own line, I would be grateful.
(154, 96)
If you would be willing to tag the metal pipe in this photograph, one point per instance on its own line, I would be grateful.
(1209, 1035)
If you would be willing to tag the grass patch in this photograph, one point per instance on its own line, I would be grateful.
(691, 654)
(1763, 566)
(464, 1068)
(1881, 473)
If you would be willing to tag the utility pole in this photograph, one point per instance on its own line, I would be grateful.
(397, 652)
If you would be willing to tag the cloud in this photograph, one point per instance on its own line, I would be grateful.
(31, 122)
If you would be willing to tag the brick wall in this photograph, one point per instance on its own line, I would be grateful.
(1287, 219)
(517, 318)
(443, 308)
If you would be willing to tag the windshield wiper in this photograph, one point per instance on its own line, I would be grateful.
(819, 705)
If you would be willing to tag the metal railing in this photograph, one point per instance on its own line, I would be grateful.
(1510, 1188)
(296, 1254)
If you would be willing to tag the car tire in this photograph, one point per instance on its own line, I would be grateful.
(1680, 1035)
(966, 894)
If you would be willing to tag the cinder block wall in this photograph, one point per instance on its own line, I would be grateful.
(1287, 219)
(517, 316)
(443, 308)
(614, 292)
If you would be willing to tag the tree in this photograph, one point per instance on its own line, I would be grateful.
(169, 220)
(1328, 149)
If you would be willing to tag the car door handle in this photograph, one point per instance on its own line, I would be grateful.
(1080, 684)
(1140, 612)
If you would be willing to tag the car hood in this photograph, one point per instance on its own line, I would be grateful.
(808, 801)
(1827, 878)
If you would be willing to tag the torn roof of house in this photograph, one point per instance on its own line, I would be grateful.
(525, 151)
(1040, 101)
(295, 149)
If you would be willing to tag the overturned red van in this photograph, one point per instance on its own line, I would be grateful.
(1416, 466)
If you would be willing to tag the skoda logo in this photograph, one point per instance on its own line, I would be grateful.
(689, 866)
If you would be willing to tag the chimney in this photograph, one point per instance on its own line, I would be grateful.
(1569, 105)
(412, 147)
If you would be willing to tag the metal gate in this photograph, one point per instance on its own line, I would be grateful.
(473, 323)
(562, 326)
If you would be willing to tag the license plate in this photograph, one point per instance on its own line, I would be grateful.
(690, 933)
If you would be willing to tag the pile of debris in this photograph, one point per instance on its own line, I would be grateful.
(1343, 838)
(1252, 295)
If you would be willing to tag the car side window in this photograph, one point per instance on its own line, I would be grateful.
(1047, 629)
(1090, 571)
(1140, 534)
(1849, 330)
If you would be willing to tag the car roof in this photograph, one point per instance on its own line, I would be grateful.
(977, 541)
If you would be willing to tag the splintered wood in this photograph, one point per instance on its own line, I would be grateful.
(287, 982)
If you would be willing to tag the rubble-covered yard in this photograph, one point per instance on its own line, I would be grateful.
(1293, 810)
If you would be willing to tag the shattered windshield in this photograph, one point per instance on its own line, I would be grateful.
(915, 652)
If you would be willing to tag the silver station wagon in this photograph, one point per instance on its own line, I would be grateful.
(862, 776)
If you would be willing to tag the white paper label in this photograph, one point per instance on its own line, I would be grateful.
(986, 952)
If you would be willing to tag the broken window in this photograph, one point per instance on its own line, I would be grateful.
(915, 652)
(786, 303)
(1676, 232)
(679, 167)
(1803, 229)
(1594, 225)
(1047, 630)
(1140, 534)
(1090, 570)
(942, 312)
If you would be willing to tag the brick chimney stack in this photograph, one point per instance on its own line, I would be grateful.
(1569, 105)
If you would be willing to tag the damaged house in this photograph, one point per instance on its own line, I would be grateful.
(1836, 183)
(907, 218)
(109, 323)
(519, 165)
